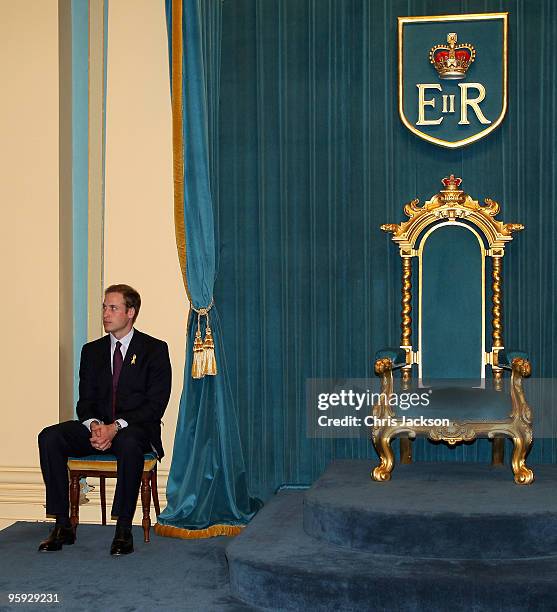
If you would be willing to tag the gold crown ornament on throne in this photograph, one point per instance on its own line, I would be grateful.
(452, 191)
(453, 59)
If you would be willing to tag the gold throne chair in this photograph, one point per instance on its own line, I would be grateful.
(455, 244)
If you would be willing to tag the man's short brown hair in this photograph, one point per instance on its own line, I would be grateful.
(131, 297)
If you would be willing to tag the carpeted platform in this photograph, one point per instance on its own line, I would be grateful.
(166, 574)
(275, 564)
(493, 517)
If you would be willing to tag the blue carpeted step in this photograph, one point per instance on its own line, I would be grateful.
(449, 510)
(274, 564)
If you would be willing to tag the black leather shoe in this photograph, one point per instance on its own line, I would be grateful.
(58, 537)
(123, 541)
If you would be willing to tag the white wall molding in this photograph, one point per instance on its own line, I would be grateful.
(22, 496)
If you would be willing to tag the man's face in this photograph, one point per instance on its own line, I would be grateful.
(117, 319)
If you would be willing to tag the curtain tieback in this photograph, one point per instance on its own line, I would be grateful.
(204, 361)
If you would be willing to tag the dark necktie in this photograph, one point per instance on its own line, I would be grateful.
(117, 363)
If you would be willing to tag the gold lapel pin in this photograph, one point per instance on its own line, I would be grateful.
(133, 359)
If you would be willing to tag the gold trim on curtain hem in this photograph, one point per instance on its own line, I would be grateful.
(194, 534)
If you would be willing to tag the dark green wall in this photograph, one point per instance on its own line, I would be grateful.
(312, 159)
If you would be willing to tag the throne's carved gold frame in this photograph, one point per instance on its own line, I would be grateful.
(451, 205)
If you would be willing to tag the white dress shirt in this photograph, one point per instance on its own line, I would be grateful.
(125, 342)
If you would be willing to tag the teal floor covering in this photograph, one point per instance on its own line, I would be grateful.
(166, 574)
(444, 536)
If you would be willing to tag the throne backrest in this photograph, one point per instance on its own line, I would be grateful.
(451, 302)
(452, 247)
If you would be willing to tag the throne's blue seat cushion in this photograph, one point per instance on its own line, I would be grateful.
(461, 404)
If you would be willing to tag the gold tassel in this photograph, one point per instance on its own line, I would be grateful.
(210, 362)
(204, 360)
(198, 353)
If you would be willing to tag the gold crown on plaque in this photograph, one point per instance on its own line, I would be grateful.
(453, 59)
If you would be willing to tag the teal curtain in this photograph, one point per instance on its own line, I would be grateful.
(207, 490)
(312, 159)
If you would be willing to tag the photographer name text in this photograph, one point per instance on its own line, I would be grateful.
(374, 421)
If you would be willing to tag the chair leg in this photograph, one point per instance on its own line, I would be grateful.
(146, 502)
(103, 499)
(405, 450)
(74, 499)
(523, 475)
(155, 491)
(498, 451)
(382, 443)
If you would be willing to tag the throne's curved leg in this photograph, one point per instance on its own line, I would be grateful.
(522, 439)
(382, 443)
(521, 427)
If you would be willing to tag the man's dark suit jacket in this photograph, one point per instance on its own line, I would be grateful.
(143, 388)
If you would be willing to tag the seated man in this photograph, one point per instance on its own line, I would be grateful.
(124, 387)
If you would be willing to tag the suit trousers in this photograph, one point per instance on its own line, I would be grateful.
(72, 439)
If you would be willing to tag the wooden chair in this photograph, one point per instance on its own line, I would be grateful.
(103, 467)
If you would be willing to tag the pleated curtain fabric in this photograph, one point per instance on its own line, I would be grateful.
(207, 490)
(312, 159)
